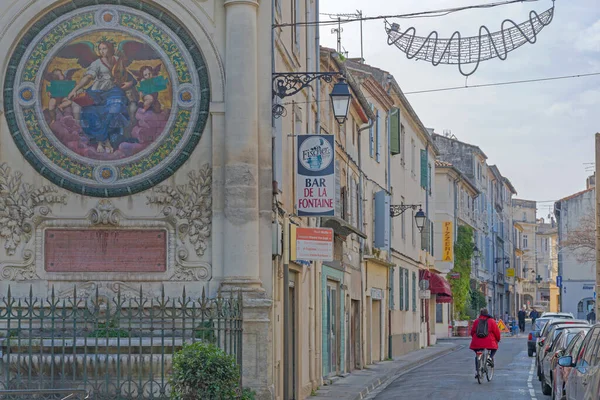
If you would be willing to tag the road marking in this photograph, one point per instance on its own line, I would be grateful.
(530, 380)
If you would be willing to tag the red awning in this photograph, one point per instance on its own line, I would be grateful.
(438, 286)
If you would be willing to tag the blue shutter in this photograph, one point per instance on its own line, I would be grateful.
(382, 220)
(401, 289)
(378, 149)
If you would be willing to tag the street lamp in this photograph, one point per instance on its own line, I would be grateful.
(340, 100)
(287, 84)
(476, 252)
(420, 217)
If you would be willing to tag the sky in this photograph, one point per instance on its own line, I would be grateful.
(540, 135)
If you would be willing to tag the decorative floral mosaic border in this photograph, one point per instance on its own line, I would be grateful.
(76, 169)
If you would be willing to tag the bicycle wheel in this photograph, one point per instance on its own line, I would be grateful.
(489, 372)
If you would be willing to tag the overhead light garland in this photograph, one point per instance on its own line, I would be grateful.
(469, 50)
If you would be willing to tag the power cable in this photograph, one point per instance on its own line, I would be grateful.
(419, 14)
(504, 83)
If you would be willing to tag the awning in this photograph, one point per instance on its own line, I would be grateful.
(341, 227)
(438, 286)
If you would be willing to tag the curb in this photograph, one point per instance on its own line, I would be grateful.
(402, 370)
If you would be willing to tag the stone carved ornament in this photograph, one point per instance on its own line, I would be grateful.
(193, 207)
(20, 204)
(190, 206)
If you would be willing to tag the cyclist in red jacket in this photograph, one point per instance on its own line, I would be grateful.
(490, 342)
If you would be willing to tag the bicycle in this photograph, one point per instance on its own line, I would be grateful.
(484, 367)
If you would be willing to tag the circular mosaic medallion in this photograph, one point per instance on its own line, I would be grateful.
(107, 99)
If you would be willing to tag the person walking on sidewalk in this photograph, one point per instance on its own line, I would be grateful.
(521, 317)
(485, 335)
(533, 315)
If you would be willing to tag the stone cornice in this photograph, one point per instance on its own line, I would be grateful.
(241, 2)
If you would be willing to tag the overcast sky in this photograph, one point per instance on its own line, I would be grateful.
(540, 135)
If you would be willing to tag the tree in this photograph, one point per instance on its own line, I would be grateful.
(461, 288)
(582, 240)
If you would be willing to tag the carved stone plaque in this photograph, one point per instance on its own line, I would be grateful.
(105, 250)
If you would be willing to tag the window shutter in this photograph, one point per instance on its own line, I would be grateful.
(401, 289)
(382, 220)
(378, 154)
(424, 169)
(406, 291)
(395, 131)
(402, 143)
(353, 203)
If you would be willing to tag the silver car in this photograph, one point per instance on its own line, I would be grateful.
(584, 379)
(559, 338)
(541, 340)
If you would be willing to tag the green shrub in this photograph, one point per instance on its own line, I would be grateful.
(202, 371)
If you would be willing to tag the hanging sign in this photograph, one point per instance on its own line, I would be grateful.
(311, 244)
(315, 177)
(510, 272)
(447, 241)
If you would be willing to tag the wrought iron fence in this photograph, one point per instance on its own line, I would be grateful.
(106, 348)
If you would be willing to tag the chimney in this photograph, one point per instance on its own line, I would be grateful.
(590, 182)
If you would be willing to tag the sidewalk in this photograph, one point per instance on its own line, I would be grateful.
(358, 384)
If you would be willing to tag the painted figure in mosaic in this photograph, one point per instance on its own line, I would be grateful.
(60, 86)
(98, 100)
(151, 83)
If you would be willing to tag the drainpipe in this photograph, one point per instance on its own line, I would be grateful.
(361, 240)
(389, 253)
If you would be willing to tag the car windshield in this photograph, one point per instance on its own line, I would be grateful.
(540, 322)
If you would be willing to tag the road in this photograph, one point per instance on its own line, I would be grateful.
(453, 377)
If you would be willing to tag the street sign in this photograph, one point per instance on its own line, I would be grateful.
(502, 326)
(558, 280)
(315, 175)
(424, 284)
(311, 244)
(425, 294)
(510, 272)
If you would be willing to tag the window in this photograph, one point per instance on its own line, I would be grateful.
(406, 292)
(344, 203)
(401, 289)
(439, 313)
(355, 129)
(525, 242)
(414, 292)
(403, 221)
(589, 353)
(524, 216)
(413, 157)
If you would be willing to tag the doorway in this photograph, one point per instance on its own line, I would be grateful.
(376, 328)
(332, 325)
(585, 306)
(292, 326)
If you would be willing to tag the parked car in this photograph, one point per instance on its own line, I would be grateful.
(534, 333)
(584, 378)
(559, 338)
(544, 332)
(557, 315)
(561, 374)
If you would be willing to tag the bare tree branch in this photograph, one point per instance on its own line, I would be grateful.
(582, 241)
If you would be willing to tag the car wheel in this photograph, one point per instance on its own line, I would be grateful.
(546, 389)
(530, 352)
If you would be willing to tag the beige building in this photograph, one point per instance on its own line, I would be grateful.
(455, 206)
(150, 122)
(524, 214)
(547, 264)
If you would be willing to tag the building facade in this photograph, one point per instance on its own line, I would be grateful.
(524, 217)
(578, 270)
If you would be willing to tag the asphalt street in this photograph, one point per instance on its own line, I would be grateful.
(453, 377)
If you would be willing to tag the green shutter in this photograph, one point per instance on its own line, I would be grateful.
(424, 179)
(395, 131)
(406, 291)
(401, 289)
